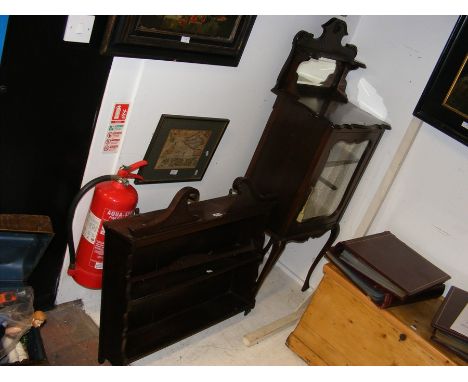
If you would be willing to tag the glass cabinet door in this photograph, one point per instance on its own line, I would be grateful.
(330, 188)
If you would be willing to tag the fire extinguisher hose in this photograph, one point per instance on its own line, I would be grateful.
(71, 212)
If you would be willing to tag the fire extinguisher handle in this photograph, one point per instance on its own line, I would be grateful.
(137, 165)
(126, 171)
(134, 176)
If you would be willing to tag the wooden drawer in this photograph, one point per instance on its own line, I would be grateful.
(341, 326)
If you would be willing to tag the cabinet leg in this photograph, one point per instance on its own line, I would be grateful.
(333, 235)
(276, 251)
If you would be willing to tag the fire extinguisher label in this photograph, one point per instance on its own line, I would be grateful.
(98, 254)
(113, 214)
(97, 257)
(91, 227)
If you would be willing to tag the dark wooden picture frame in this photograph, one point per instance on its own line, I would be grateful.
(440, 104)
(181, 148)
(215, 40)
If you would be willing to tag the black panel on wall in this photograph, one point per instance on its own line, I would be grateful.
(49, 99)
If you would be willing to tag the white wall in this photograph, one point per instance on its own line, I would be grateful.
(153, 87)
(400, 53)
(427, 206)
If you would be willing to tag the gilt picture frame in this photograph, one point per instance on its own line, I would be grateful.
(215, 40)
(181, 148)
(444, 101)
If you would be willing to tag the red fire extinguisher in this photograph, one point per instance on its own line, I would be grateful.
(114, 198)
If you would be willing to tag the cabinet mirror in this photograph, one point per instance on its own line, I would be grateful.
(316, 72)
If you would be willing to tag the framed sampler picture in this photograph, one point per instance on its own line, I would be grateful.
(181, 148)
(216, 40)
(444, 102)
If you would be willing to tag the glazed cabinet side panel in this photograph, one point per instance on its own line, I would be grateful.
(357, 135)
(349, 135)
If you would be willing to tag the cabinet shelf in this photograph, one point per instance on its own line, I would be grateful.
(182, 298)
(195, 259)
(144, 289)
(190, 321)
(328, 184)
(341, 162)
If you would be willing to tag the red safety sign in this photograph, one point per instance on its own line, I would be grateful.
(116, 127)
(119, 115)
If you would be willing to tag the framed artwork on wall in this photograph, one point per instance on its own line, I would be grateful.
(216, 40)
(181, 148)
(444, 101)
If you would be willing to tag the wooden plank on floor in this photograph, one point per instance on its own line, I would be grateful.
(276, 326)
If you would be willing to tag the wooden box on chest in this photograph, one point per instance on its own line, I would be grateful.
(342, 326)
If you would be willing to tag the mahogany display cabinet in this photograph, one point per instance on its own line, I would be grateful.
(315, 146)
(171, 273)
